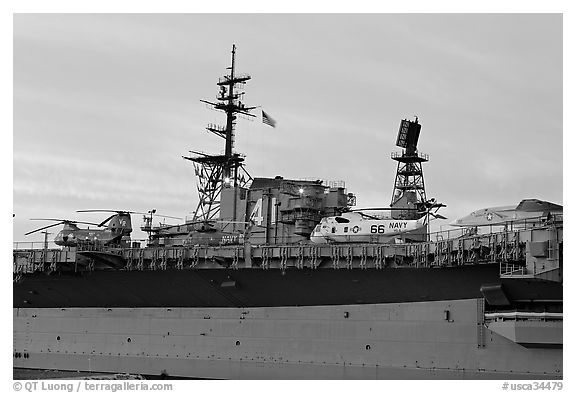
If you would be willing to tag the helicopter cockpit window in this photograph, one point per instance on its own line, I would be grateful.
(342, 220)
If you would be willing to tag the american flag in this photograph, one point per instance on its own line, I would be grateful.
(266, 119)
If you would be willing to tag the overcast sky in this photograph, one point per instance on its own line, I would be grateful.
(105, 106)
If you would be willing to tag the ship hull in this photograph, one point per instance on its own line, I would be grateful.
(393, 323)
(397, 323)
(369, 341)
(200, 288)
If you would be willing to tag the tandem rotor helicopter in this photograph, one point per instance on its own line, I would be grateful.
(117, 230)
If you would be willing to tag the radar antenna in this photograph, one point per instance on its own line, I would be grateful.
(409, 191)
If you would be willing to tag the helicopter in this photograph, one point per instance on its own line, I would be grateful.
(197, 233)
(147, 223)
(356, 226)
(118, 228)
(120, 223)
(71, 234)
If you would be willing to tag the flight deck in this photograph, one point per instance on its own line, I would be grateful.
(521, 252)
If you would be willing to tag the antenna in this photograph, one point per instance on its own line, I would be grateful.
(215, 172)
(409, 190)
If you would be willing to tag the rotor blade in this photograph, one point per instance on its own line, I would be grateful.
(162, 227)
(231, 222)
(83, 222)
(186, 224)
(106, 220)
(95, 210)
(61, 221)
(49, 219)
(109, 211)
(40, 229)
(440, 216)
(369, 216)
(161, 215)
(201, 222)
(382, 208)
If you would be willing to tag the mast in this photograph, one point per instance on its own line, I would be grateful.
(409, 191)
(214, 172)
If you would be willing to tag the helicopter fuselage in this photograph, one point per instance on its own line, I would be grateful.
(353, 228)
(199, 238)
(71, 237)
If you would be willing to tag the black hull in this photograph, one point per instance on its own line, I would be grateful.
(270, 288)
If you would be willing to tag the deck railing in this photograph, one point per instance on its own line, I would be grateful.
(39, 245)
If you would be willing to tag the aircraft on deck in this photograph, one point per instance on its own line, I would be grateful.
(358, 227)
(115, 229)
(71, 234)
(528, 210)
(198, 233)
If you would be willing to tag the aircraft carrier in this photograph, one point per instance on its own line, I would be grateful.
(241, 292)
